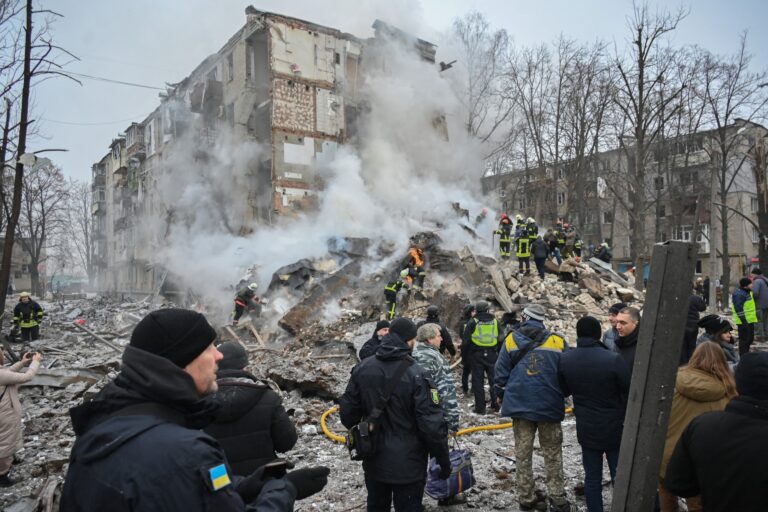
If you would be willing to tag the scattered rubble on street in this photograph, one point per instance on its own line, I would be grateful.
(308, 356)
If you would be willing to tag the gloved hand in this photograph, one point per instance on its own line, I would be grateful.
(249, 487)
(308, 481)
(445, 471)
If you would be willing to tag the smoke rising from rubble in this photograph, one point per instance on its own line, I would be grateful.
(402, 178)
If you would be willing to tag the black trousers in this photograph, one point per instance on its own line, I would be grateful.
(524, 261)
(30, 333)
(466, 368)
(689, 345)
(483, 363)
(407, 497)
(746, 336)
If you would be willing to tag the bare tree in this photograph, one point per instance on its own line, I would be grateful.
(37, 61)
(734, 96)
(642, 99)
(81, 221)
(43, 214)
(488, 112)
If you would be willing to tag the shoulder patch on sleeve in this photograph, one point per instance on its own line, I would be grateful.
(217, 478)
(434, 395)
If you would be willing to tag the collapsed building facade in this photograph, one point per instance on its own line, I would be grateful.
(289, 85)
(680, 173)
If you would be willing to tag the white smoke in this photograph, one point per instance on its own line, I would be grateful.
(402, 179)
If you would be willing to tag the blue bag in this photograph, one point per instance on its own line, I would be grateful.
(462, 476)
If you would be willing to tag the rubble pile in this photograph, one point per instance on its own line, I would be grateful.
(307, 355)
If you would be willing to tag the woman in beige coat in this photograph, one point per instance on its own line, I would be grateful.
(705, 384)
(11, 431)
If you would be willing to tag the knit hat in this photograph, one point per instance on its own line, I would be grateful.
(235, 356)
(744, 282)
(757, 271)
(404, 328)
(614, 310)
(381, 324)
(179, 335)
(713, 324)
(752, 375)
(535, 312)
(589, 327)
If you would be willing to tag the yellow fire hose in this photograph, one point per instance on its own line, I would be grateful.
(469, 430)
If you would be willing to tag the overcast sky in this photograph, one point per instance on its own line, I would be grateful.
(150, 42)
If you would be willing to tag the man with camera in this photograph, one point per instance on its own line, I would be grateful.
(390, 399)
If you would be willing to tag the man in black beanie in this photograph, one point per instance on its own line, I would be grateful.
(410, 428)
(598, 379)
(370, 346)
(723, 455)
(139, 446)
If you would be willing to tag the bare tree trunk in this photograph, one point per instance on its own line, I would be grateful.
(10, 231)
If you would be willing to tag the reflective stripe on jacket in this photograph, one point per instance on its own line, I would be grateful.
(486, 333)
(523, 248)
(749, 310)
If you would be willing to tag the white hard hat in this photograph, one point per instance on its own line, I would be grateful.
(530, 219)
(404, 272)
(253, 286)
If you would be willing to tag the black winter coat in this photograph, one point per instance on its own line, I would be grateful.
(412, 425)
(626, 347)
(598, 379)
(139, 448)
(539, 249)
(251, 424)
(695, 306)
(723, 456)
(447, 344)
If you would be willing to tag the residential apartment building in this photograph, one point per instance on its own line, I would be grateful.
(290, 85)
(678, 192)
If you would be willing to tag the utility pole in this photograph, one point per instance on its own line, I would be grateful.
(713, 274)
(653, 376)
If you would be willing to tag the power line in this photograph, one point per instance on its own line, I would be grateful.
(91, 124)
(120, 82)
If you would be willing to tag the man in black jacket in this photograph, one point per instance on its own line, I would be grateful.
(433, 317)
(598, 379)
(628, 327)
(696, 305)
(723, 455)
(482, 336)
(411, 427)
(139, 446)
(251, 424)
(369, 347)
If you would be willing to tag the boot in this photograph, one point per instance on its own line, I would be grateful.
(565, 507)
(6, 481)
(459, 499)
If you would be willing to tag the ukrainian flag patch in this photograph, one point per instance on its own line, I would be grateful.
(435, 396)
(219, 477)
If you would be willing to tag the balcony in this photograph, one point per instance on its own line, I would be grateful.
(99, 180)
(122, 223)
(136, 150)
(121, 171)
(98, 208)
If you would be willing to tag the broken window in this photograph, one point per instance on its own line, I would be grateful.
(337, 58)
(560, 198)
(230, 67)
(607, 217)
(213, 74)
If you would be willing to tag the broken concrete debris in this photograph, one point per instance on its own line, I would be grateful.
(307, 356)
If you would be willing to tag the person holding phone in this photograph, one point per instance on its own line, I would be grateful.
(11, 430)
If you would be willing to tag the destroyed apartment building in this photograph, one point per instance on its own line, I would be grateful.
(679, 176)
(290, 85)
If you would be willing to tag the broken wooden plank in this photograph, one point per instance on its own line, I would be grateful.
(48, 493)
(61, 378)
(605, 269)
(235, 336)
(256, 334)
(98, 338)
(500, 289)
